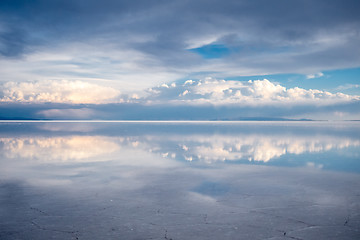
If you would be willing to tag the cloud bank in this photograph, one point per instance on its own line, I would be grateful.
(257, 92)
(196, 92)
(204, 99)
(74, 92)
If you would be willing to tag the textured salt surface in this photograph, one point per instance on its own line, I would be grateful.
(237, 202)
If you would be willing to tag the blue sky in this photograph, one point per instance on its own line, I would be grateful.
(72, 53)
(342, 80)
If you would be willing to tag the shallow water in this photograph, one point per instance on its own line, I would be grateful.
(180, 180)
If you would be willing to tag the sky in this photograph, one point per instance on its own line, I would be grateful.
(180, 60)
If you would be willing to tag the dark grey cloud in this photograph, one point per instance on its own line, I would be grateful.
(52, 22)
(263, 37)
(171, 21)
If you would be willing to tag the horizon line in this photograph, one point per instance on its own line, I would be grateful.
(167, 121)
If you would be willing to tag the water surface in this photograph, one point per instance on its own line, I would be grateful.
(180, 180)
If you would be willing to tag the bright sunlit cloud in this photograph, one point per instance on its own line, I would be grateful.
(75, 92)
(203, 99)
(252, 92)
(204, 91)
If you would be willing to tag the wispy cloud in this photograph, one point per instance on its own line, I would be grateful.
(78, 113)
(347, 86)
(316, 75)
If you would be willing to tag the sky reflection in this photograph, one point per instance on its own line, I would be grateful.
(179, 180)
(259, 148)
(169, 144)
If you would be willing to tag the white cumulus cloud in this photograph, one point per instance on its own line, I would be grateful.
(190, 92)
(63, 91)
(257, 92)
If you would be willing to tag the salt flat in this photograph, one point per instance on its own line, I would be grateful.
(179, 181)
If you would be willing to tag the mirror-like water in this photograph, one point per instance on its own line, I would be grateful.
(209, 180)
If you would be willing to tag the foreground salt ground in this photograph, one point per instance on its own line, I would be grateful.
(233, 202)
(244, 181)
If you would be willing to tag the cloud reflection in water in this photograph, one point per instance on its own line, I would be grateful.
(136, 175)
(203, 148)
(60, 149)
(260, 148)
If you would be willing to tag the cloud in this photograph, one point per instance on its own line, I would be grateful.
(140, 43)
(316, 75)
(253, 93)
(193, 92)
(204, 99)
(347, 86)
(80, 113)
(64, 91)
(118, 66)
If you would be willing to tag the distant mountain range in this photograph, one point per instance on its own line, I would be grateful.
(219, 119)
(264, 119)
